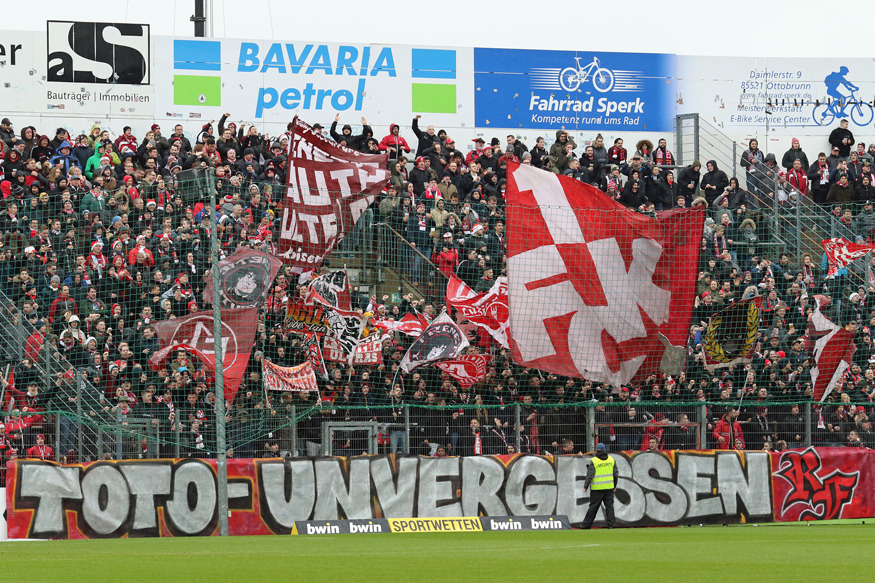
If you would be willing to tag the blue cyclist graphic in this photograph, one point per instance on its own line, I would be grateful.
(842, 105)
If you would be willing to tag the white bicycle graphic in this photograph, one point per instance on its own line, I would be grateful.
(571, 78)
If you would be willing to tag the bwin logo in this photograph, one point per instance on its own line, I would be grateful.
(98, 52)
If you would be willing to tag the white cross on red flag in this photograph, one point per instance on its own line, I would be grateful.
(329, 187)
(593, 284)
(840, 252)
(833, 349)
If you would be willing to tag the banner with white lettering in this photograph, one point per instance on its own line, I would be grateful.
(367, 352)
(329, 187)
(291, 379)
(178, 497)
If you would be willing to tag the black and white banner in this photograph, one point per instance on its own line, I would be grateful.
(442, 339)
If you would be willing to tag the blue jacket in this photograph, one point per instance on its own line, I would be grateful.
(69, 159)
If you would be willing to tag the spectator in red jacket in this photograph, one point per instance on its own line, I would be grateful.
(393, 143)
(35, 341)
(617, 153)
(40, 450)
(797, 177)
(447, 259)
(728, 430)
(62, 304)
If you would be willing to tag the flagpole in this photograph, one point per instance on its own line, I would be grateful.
(221, 449)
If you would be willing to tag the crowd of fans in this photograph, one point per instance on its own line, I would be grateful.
(101, 240)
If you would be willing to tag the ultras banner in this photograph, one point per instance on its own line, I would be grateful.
(178, 497)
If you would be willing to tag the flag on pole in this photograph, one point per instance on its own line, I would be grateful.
(244, 279)
(487, 310)
(442, 339)
(329, 187)
(466, 369)
(331, 289)
(731, 334)
(840, 252)
(832, 347)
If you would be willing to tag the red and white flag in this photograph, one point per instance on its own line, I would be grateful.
(367, 352)
(329, 187)
(291, 379)
(832, 347)
(840, 252)
(196, 330)
(467, 369)
(314, 354)
(487, 310)
(596, 290)
(442, 339)
(410, 324)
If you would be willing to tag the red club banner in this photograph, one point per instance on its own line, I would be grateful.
(196, 330)
(141, 498)
(329, 187)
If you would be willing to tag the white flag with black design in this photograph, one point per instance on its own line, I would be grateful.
(442, 339)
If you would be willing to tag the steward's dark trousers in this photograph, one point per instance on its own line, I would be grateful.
(598, 497)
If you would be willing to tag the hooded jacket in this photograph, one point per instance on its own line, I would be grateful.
(394, 141)
(559, 146)
(42, 151)
(715, 178)
(68, 159)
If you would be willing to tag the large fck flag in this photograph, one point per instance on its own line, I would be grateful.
(328, 189)
(595, 290)
(196, 330)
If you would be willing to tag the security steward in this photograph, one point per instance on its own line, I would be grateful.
(602, 475)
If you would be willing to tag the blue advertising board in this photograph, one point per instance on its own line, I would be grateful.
(537, 89)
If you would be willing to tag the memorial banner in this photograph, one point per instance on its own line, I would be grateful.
(140, 498)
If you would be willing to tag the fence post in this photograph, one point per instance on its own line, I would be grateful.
(518, 427)
(808, 424)
(80, 441)
(734, 157)
(118, 433)
(295, 430)
(176, 440)
(590, 429)
(407, 429)
(57, 436)
(326, 439)
(703, 425)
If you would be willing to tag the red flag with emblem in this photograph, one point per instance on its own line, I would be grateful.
(596, 290)
(329, 187)
(410, 324)
(467, 369)
(196, 330)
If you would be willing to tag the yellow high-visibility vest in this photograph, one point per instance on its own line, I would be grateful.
(604, 473)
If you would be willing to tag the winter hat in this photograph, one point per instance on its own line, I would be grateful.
(155, 127)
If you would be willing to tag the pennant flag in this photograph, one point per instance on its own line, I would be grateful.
(329, 187)
(592, 284)
(467, 369)
(488, 310)
(345, 329)
(410, 324)
(832, 347)
(196, 330)
(244, 279)
(731, 334)
(331, 289)
(314, 354)
(442, 339)
(291, 379)
(840, 252)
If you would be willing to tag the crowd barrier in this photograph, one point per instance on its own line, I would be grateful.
(273, 496)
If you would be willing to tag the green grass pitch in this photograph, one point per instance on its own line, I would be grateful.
(796, 552)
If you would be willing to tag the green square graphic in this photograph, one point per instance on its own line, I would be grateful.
(434, 98)
(197, 90)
